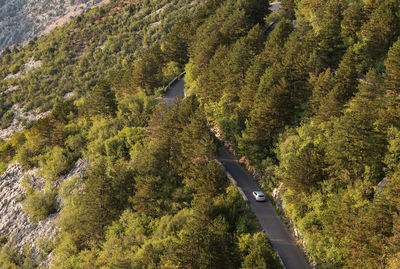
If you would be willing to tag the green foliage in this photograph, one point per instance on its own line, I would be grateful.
(301, 156)
(101, 101)
(297, 102)
(257, 251)
(56, 163)
(177, 42)
(8, 258)
(146, 195)
(45, 246)
(91, 48)
(7, 119)
(393, 68)
(393, 154)
(330, 45)
(135, 110)
(316, 109)
(40, 204)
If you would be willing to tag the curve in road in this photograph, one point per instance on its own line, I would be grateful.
(176, 90)
(270, 221)
(265, 212)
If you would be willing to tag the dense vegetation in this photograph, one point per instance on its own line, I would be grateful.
(153, 195)
(92, 47)
(312, 102)
(315, 106)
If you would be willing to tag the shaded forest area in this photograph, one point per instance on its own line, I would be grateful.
(313, 105)
(153, 195)
(316, 107)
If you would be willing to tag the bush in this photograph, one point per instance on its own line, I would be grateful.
(56, 163)
(7, 119)
(45, 245)
(40, 204)
(8, 258)
(3, 239)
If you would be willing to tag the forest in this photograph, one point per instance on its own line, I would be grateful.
(315, 108)
(309, 95)
(153, 195)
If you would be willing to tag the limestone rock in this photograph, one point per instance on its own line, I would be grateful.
(13, 221)
(21, 20)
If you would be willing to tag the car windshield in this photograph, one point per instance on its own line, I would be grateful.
(261, 195)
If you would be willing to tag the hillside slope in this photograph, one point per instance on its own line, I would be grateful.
(153, 194)
(314, 110)
(74, 57)
(22, 20)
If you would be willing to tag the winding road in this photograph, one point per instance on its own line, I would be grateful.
(265, 212)
(176, 90)
(284, 245)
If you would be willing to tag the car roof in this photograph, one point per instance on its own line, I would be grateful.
(259, 192)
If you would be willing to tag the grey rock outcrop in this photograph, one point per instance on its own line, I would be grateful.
(21, 20)
(13, 221)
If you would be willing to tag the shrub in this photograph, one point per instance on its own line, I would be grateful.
(40, 204)
(56, 163)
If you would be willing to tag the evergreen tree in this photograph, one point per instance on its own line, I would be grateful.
(353, 19)
(356, 149)
(380, 32)
(256, 10)
(302, 161)
(101, 101)
(251, 82)
(274, 47)
(147, 71)
(271, 112)
(177, 42)
(346, 80)
(330, 46)
(322, 85)
(289, 7)
(393, 68)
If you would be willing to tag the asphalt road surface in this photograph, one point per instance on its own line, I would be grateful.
(176, 90)
(265, 213)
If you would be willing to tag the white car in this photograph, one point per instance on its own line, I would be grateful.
(259, 196)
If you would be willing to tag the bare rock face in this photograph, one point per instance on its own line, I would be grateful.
(17, 123)
(21, 20)
(13, 221)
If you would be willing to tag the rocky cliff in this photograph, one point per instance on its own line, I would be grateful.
(13, 221)
(21, 20)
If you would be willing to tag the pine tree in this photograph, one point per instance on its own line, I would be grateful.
(271, 112)
(330, 46)
(147, 71)
(380, 32)
(346, 80)
(393, 69)
(274, 47)
(322, 85)
(289, 7)
(256, 10)
(251, 82)
(101, 101)
(353, 19)
(356, 148)
(177, 42)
